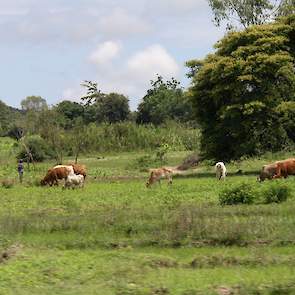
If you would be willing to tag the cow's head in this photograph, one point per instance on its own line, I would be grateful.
(43, 182)
(262, 176)
(148, 183)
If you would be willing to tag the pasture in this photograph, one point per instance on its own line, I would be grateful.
(115, 236)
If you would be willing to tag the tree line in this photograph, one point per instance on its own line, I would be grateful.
(102, 122)
(241, 97)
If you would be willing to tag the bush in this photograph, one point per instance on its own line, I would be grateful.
(276, 194)
(7, 183)
(143, 163)
(241, 194)
(38, 147)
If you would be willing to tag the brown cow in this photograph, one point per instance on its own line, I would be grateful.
(79, 169)
(285, 168)
(157, 174)
(278, 169)
(54, 174)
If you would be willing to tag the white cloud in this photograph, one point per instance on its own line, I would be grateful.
(151, 61)
(132, 77)
(73, 93)
(121, 24)
(105, 53)
(176, 8)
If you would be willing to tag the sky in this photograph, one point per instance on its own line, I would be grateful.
(48, 47)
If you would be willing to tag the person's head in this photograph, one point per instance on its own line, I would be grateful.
(20, 160)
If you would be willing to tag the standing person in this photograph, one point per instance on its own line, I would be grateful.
(20, 170)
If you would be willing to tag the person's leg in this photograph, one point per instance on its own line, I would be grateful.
(20, 177)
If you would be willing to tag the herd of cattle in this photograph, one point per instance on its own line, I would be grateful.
(75, 174)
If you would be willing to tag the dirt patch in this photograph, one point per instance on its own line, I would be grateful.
(160, 291)
(224, 291)
(10, 252)
(160, 262)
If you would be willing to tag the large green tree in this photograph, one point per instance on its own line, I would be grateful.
(166, 100)
(34, 103)
(100, 107)
(249, 12)
(112, 108)
(71, 111)
(244, 94)
(32, 107)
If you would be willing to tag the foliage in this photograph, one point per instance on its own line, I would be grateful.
(50, 126)
(92, 92)
(100, 107)
(162, 152)
(249, 12)
(240, 92)
(7, 183)
(286, 112)
(70, 110)
(111, 108)
(240, 194)
(51, 237)
(34, 103)
(152, 160)
(38, 147)
(8, 118)
(77, 138)
(164, 101)
(127, 136)
(276, 194)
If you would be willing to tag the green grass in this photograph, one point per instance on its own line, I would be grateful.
(117, 237)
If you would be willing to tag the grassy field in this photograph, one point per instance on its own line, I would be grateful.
(117, 237)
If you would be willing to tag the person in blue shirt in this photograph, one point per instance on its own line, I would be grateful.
(20, 170)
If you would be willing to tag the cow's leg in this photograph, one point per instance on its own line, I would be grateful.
(169, 179)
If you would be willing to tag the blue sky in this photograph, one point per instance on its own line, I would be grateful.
(48, 47)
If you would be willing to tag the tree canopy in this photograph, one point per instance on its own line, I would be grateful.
(244, 94)
(34, 103)
(166, 100)
(249, 12)
(9, 116)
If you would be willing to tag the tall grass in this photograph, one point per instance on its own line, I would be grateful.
(129, 136)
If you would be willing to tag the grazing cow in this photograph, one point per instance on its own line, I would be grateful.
(220, 170)
(79, 169)
(74, 180)
(158, 174)
(57, 172)
(267, 172)
(70, 168)
(278, 169)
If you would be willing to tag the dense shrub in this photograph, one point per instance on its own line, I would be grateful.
(128, 136)
(276, 194)
(38, 147)
(7, 183)
(241, 194)
(247, 194)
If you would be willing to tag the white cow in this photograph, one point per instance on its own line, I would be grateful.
(74, 180)
(220, 170)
